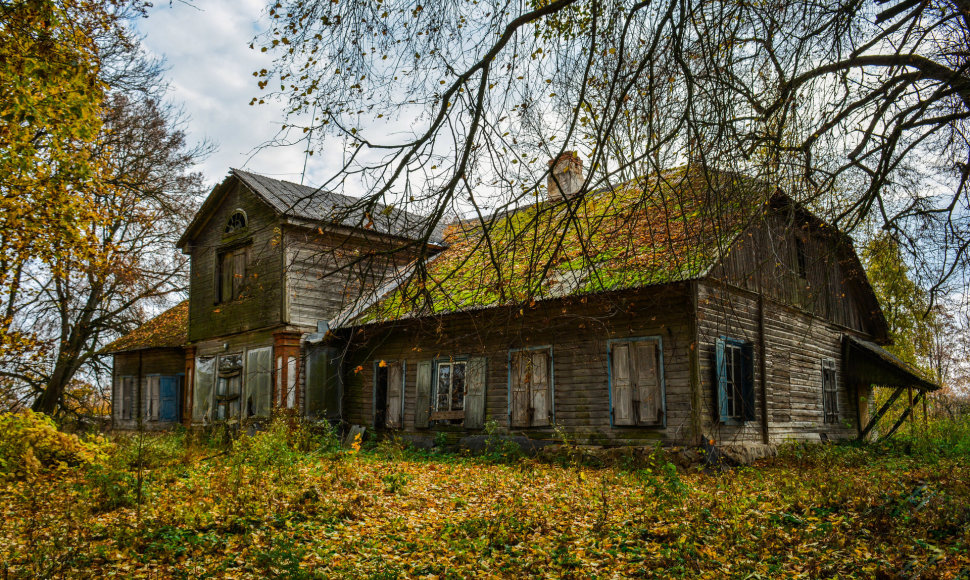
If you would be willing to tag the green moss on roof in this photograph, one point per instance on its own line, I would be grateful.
(659, 230)
(167, 330)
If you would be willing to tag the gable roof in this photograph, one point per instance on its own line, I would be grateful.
(313, 204)
(170, 329)
(669, 228)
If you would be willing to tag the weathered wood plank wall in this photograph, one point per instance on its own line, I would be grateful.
(139, 364)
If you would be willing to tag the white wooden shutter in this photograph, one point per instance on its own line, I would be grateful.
(648, 383)
(622, 384)
(202, 394)
(152, 398)
(539, 387)
(259, 382)
(395, 395)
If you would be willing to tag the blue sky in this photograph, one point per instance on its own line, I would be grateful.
(210, 66)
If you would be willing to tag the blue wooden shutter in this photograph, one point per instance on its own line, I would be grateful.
(747, 372)
(168, 398)
(720, 373)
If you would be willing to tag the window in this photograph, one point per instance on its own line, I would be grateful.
(259, 382)
(800, 258)
(530, 387)
(236, 222)
(232, 273)
(205, 370)
(830, 391)
(450, 390)
(735, 380)
(449, 399)
(228, 387)
(636, 382)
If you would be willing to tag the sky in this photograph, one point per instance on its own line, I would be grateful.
(206, 48)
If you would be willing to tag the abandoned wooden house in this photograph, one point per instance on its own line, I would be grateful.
(667, 309)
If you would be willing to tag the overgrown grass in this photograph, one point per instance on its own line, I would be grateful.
(290, 503)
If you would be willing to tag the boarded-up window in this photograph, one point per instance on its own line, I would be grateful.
(735, 380)
(205, 374)
(259, 381)
(636, 382)
(530, 375)
(232, 273)
(830, 391)
(152, 397)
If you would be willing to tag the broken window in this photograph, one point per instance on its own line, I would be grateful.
(236, 222)
(735, 380)
(530, 375)
(636, 382)
(232, 273)
(830, 392)
(449, 399)
(228, 387)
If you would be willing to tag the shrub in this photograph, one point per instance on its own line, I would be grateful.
(30, 442)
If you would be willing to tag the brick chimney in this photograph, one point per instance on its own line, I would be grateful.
(565, 176)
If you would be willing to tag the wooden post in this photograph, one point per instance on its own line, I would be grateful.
(899, 421)
(912, 423)
(882, 411)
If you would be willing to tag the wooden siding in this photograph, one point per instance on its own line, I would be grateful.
(766, 257)
(576, 329)
(140, 364)
(795, 345)
(261, 303)
(327, 272)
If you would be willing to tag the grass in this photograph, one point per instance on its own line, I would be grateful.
(289, 503)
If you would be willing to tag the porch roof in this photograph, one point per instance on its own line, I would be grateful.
(867, 362)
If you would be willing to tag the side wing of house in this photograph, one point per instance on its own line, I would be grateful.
(608, 368)
(772, 318)
(147, 387)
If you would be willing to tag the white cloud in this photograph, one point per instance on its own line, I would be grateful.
(206, 47)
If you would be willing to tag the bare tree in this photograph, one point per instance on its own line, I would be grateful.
(857, 108)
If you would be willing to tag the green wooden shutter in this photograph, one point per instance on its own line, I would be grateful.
(395, 395)
(622, 385)
(422, 400)
(650, 408)
(539, 387)
(519, 400)
(720, 370)
(475, 393)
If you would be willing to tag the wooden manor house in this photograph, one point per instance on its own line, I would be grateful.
(674, 308)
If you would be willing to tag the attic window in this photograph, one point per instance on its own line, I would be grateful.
(800, 257)
(236, 221)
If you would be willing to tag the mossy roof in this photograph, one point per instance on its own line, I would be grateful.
(169, 329)
(669, 228)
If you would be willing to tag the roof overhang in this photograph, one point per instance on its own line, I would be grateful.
(868, 363)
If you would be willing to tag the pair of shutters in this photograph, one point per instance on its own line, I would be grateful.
(474, 393)
(258, 385)
(232, 272)
(734, 366)
(530, 389)
(637, 390)
(163, 398)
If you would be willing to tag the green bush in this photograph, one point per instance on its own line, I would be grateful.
(30, 442)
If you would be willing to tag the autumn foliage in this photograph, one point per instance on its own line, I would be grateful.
(290, 502)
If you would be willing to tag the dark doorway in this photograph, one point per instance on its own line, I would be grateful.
(380, 396)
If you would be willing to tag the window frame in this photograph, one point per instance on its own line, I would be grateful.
(228, 399)
(828, 364)
(229, 252)
(552, 384)
(660, 372)
(747, 395)
(450, 414)
(226, 232)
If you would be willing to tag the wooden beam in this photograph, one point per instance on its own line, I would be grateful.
(906, 413)
(881, 412)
